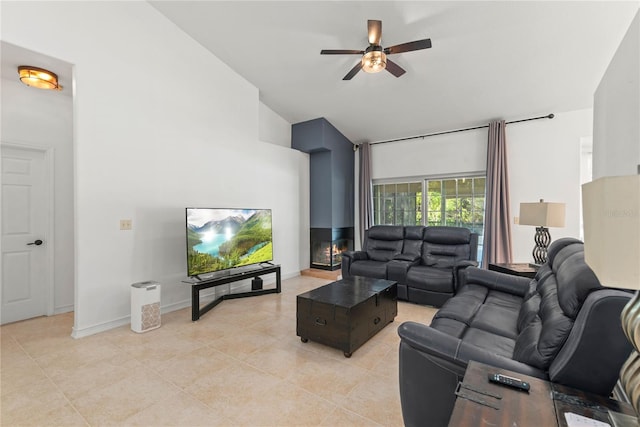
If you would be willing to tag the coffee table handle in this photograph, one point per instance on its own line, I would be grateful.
(321, 322)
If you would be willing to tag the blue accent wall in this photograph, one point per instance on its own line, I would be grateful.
(331, 158)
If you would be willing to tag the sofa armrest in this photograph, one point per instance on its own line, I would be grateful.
(348, 257)
(431, 365)
(502, 282)
(355, 255)
(459, 266)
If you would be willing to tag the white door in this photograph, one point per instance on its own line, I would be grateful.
(25, 272)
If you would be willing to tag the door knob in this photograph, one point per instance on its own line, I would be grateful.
(37, 243)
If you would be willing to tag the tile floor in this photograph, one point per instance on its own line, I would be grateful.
(241, 364)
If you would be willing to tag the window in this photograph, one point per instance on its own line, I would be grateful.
(457, 202)
(397, 204)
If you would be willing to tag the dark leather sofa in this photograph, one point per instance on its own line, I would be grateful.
(561, 326)
(423, 260)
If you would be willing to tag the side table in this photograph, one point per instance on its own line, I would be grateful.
(516, 269)
(480, 402)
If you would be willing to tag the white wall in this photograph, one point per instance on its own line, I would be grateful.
(44, 119)
(272, 127)
(147, 147)
(616, 129)
(544, 162)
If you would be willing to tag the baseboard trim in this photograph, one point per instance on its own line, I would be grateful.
(179, 305)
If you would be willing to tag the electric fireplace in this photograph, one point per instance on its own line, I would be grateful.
(327, 245)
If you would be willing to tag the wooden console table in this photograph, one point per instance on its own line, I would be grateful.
(198, 285)
(544, 405)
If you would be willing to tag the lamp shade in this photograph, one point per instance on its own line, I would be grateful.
(611, 213)
(542, 214)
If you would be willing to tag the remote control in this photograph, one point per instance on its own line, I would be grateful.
(509, 381)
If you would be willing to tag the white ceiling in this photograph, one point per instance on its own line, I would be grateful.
(504, 59)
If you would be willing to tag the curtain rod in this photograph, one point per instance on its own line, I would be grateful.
(548, 116)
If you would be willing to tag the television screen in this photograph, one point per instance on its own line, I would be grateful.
(219, 239)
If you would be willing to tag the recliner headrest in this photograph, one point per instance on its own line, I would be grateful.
(447, 235)
(557, 245)
(386, 232)
(575, 280)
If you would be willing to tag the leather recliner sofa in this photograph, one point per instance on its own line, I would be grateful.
(423, 260)
(561, 326)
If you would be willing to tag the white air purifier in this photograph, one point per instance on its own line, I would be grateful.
(145, 306)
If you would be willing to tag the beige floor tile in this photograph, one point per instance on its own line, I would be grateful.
(327, 377)
(113, 404)
(340, 417)
(185, 369)
(20, 373)
(242, 343)
(240, 364)
(234, 390)
(288, 406)
(376, 398)
(22, 406)
(177, 410)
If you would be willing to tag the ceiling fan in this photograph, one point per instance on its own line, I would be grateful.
(374, 57)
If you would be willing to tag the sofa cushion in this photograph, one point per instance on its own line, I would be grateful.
(498, 320)
(497, 344)
(430, 278)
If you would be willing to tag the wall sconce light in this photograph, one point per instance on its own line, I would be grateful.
(542, 215)
(38, 77)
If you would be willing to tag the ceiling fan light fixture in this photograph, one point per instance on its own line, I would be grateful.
(374, 61)
(38, 77)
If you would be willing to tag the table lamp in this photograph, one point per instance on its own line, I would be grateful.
(542, 214)
(611, 212)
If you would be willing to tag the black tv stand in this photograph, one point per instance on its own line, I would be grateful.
(200, 284)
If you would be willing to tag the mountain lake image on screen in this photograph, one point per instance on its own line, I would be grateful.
(220, 239)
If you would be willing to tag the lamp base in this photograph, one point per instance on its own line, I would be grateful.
(630, 371)
(542, 238)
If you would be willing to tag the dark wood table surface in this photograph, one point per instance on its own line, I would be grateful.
(544, 405)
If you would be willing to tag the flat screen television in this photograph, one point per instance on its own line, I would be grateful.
(221, 239)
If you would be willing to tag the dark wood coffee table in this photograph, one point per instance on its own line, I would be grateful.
(346, 313)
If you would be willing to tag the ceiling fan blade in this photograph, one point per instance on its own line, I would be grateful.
(353, 71)
(408, 47)
(375, 31)
(394, 68)
(341, 52)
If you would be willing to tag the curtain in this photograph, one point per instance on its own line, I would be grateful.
(365, 190)
(497, 228)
